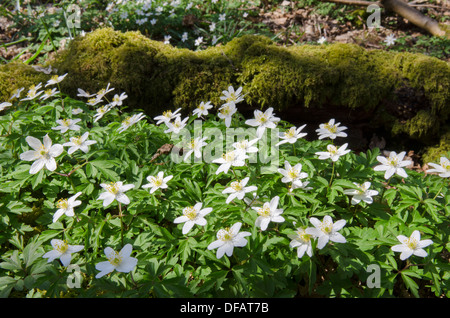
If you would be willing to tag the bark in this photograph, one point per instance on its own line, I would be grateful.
(403, 9)
(414, 16)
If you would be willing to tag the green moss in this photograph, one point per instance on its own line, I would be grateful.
(16, 75)
(432, 154)
(374, 84)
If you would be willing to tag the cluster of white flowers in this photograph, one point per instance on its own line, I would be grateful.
(44, 154)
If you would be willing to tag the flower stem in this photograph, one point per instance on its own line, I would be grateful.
(437, 193)
(384, 189)
(121, 222)
(332, 175)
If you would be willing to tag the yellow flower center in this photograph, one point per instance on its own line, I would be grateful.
(393, 162)
(264, 211)
(190, 212)
(411, 243)
(167, 113)
(326, 227)
(229, 156)
(231, 98)
(31, 93)
(62, 204)
(224, 234)
(290, 133)
(54, 78)
(262, 118)
(43, 151)
(225, 111)
(157, 181)
(48, 92)
(101, 92)
(113, 187)
(61, 246)
(126, 121)
(303, 236)
(331, 128)
(115, 259)
(193, 143)
(77, 140)
(332, 149)
(293, 174)
(242, 145)
(236, 186)
(66, 122)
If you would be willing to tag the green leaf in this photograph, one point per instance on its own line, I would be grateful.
(410, 283)
(12, 263)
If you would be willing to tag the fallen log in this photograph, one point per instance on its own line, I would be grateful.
(404, 10)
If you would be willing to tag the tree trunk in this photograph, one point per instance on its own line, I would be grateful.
(403, 9)
(414, 16)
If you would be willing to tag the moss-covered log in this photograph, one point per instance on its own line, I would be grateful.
(403, 93)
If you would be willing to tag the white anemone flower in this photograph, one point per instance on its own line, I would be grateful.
(130, 121)
(302, 241)
(67, 124)
(115, 191)
(16, 93)
(117, 100)
(322, 40)
(82, 93)
(202, 109)
(198, 41)
(80, 142)
(443, 168)
(238, 189)
(55, 79)
(229, 238)
(49, 93)
(94, 101)
(333, 152)
(193, 215)
(326, 230)
(269, 212)
(226, 113)
(65, 206)
(390, 40)
(195, 146)
(232, 96)
(263, 121)
(291, 135)
(63, 251)
(119, 261)
(167, 116)
(229, 159)
(101, 93)
(33, 92)
(4, 105)
(293, 174)
(42, 155)
(77, 111)
(246, 146)
(393, 164)
(157, 182)
(331, 130)
(362, 193)
(101, 111)
(176, 126)
(411, 246)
